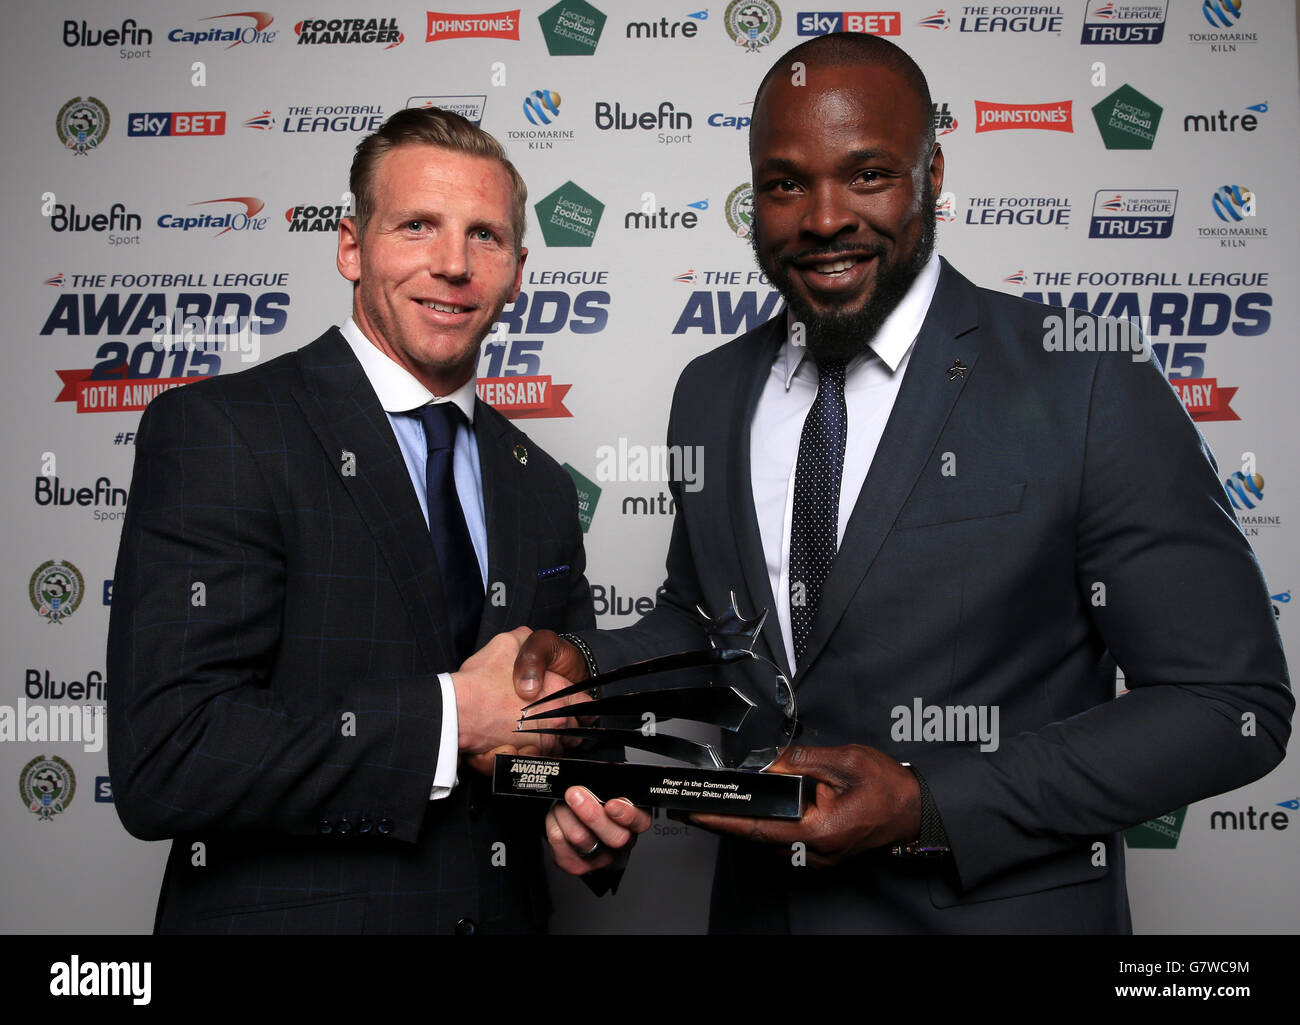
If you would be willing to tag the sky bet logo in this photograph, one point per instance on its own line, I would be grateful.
(194, 122)
(873, 23)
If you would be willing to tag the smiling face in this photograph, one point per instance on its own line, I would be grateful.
(437, 261)
(844, 189)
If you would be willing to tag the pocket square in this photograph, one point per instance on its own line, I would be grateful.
(554, 571)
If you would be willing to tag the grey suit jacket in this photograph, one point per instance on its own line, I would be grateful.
(277, 629)
(1026, 523)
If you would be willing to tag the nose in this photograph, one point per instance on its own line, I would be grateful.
(828, 213)
(448, 255)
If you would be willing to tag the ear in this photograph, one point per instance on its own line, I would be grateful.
(349, 253)
(936, 169)
(519, 274)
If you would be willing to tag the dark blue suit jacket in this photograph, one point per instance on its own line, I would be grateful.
(999, 499)
(277, 629)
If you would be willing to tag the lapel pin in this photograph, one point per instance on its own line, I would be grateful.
(958, 369)
(521, 455)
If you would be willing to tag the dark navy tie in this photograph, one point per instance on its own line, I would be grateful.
(462, 583)
(814, 525)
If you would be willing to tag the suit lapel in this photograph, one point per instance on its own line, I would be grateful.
(756, 366)
(512, 549)
(343, 411)
(928, 393)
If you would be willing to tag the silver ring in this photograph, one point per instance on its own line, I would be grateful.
(595, 849)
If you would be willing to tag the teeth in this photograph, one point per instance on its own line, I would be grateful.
(444, 307)
(833, 268)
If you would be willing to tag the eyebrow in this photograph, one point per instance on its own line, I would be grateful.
(857, 156)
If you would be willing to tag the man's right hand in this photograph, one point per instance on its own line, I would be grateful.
(487, 710)
(545, 652)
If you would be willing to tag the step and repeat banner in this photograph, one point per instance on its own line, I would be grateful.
(186, 162)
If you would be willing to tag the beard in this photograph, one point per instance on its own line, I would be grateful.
(843, 334)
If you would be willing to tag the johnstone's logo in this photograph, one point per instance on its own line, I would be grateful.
(873, 23)
(315, 218)
(167, 123)
(1122, 21)
(47, 785)
(56, 589)
(1046, 117)
(500, 25)
(82, 124)
(1133, 213)
(246, 27)
(326, 31)
(1014, 18)
(944, 121)
(237, 220)
(751, 24)
(469, 107)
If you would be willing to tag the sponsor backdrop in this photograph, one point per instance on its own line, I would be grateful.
(175, 174)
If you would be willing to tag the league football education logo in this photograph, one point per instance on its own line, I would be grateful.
(1127, 120)
(56, 590)
(1160, 833)
(740, 210)
(47, 785)
(569, 216)
(82, 124)
(752, 23)
(572, 28)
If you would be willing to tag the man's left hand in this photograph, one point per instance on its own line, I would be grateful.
(863, 799)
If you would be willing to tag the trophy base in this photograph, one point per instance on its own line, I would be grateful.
(766, 795)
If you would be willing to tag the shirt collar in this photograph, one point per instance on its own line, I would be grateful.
(397, 388)
(895, 336)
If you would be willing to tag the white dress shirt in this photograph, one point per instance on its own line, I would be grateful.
(399, 394)
(871, 383)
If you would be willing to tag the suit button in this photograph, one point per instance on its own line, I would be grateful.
(324, 827)
(475, 810)
(465, 927)
(344, 827)
(364, 826)
(384, 827)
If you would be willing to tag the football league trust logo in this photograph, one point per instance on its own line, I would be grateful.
(752, 23)
(82, 124)
(47, 785)
(56, 590)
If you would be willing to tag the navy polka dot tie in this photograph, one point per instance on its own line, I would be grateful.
(815, 524)
(462, 583)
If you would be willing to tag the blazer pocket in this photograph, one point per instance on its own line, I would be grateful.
(1066, 869)
(964, 502)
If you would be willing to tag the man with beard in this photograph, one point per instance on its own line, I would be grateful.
(960, 533)
(316, 557)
